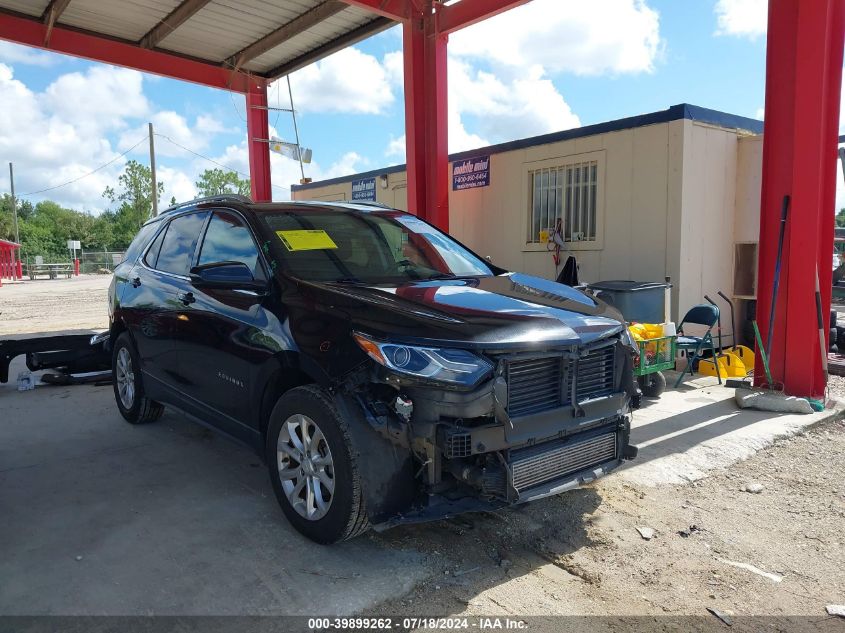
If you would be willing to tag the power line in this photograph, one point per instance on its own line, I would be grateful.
(93, 171)
(211, 160)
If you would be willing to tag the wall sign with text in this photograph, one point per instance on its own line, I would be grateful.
(364, 189)
(471, 173)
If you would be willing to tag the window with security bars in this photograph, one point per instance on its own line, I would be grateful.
(568, 192)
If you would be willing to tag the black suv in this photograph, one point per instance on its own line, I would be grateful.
(385, 372)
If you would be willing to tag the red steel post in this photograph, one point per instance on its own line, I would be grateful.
(258, 132)
(803, 81)
(426, 118)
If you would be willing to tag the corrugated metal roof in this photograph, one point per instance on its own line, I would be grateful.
(324, 32)
(125, 19)
(29, 7)
(215, 31)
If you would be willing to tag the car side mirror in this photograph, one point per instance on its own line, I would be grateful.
(225, 275)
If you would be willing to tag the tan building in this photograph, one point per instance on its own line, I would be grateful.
(673, 193)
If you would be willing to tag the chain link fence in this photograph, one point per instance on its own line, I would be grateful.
(99, 262)
(90, 262)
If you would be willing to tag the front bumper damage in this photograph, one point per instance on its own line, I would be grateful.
(507, 441)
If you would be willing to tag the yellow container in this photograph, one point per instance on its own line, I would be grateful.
(745, 354)
(729, 366)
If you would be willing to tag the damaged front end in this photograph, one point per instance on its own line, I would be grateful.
(521, 425)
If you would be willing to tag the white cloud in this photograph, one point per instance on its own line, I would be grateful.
(395, 147)
(744, 18)
(177, 184)
(348, 81)
(175, 127)
(500, 109)
(11, 53)
(52, 143)
(504, 110)
(620, 36)
(102, 98)
(394, 66)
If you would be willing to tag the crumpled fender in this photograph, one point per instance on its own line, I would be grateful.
(386, 469)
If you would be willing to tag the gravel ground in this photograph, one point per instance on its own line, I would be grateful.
(582, 553)
(54, 305)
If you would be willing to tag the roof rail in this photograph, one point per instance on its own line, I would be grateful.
(226, 197)
(369, 203)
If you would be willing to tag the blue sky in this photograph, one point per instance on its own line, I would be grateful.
(543, 67)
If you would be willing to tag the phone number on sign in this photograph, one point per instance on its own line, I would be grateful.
(413, 624)
(470, 180)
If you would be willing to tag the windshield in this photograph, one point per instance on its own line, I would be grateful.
(376, 247)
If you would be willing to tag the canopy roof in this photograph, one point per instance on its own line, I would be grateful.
(264, 38)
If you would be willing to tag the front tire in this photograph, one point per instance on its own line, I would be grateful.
(129, 393)
(313, 467)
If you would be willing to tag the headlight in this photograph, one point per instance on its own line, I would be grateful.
(454, 366)
(629, 341)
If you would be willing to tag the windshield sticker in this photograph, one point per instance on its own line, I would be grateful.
(416, 225)
(306, 240)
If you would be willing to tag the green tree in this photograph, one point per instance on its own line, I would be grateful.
(135, 202)
(216, 182)
(840, 218)
(7, 220)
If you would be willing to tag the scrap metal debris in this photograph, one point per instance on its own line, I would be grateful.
(722, 615)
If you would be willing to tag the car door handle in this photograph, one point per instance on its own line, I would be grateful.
(187, 298)
(136, 282)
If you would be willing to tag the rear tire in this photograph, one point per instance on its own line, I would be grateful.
(128, 385)
(652, 385)
(313, 467)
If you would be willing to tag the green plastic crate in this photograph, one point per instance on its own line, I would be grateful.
(656, 354)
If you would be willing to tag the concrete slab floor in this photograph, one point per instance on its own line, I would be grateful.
(697, 428)
(168, 518)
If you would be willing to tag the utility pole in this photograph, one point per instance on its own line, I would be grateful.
(153, 171)
(14, 203)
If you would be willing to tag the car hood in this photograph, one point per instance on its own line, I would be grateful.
(505, 311)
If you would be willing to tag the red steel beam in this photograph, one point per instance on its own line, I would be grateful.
(453, 17)
(803, 81)
(31, 32)
(258, 131)
(426, 117)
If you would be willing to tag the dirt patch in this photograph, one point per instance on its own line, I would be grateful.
(581, 553)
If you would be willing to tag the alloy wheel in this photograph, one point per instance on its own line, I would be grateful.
(306, 468)
(125, 376)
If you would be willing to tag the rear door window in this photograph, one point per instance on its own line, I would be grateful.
(152, 253)
(140, 241)
(177, 247)
(228, 239)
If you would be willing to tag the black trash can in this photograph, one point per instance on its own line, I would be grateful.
(640, 301)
